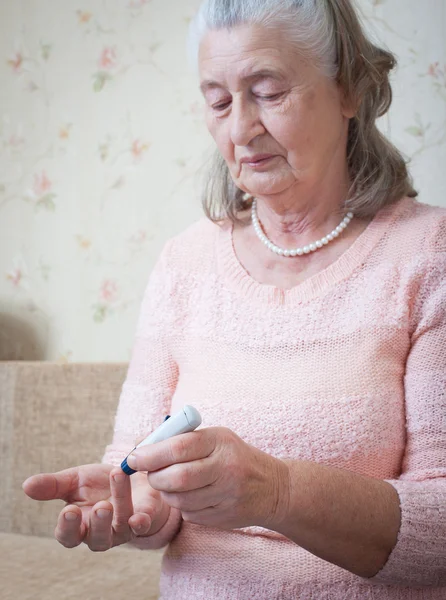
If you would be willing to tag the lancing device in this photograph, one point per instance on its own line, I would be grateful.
(187, 419)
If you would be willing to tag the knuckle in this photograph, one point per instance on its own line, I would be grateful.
(179, 448)
(223, 439)
(224, 432)
(180, 478)
(120, 526)
(203, 437)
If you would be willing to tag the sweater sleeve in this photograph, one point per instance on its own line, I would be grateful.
(150, 380)
(419, 556)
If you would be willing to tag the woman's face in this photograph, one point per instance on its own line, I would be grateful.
(275, 119)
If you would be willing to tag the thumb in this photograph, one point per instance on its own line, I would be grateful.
(52, 486)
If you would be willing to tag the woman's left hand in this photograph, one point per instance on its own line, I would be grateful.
(215, 478)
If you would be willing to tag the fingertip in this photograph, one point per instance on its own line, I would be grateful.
(70, 530)
(118, 476)
(140, 524)
(104, 505)
(71, 516)
(30, 486)
(70, 510)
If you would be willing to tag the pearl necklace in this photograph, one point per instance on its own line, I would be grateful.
(296, 251)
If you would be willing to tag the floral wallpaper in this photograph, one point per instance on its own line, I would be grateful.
(103, 148)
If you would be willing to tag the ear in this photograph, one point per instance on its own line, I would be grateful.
(348, 106)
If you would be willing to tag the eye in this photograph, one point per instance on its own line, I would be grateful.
(221, 105)
(269, 97)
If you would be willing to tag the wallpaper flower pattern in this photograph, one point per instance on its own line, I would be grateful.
(103, 148)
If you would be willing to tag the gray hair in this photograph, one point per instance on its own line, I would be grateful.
(329, 33)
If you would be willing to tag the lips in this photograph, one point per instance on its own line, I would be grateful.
(257, 159)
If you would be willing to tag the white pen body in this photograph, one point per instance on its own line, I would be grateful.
(187, 419)
(184, 421)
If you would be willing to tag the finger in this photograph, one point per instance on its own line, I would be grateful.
(184, 477)
(121, 498)
(149, 506)
(195, 500)
(181, 448)
(51, 486)
(208, 517)
(140, 523)
(99, 538)
(70, 531)
(146, 504)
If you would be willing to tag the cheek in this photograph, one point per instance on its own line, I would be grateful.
(291, 131)
(221, 138)
(211, 124)
(309, 127)
(291, 124)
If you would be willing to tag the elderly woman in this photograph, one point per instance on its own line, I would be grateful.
(305, 318)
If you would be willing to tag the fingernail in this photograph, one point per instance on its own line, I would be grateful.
(103, 513)
(140, 529)
(70, 516)
(131, 461)
(119, 478)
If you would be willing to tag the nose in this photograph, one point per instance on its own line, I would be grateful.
(245, 122)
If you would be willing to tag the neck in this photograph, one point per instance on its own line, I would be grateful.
(287, 252)
(294, 221)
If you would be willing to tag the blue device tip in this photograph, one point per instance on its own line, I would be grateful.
(127, 470)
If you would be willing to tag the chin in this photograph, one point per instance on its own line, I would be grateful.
(266, 190)
(268, 186)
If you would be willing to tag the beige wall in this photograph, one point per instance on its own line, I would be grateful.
(102, 144)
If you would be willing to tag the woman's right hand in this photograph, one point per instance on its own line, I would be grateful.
(105, 507)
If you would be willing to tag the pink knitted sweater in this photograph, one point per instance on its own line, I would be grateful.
(347, 369)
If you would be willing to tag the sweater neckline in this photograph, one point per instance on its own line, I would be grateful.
(240, 281)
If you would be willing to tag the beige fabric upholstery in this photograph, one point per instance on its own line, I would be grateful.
(53, 416)
(33, 568)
